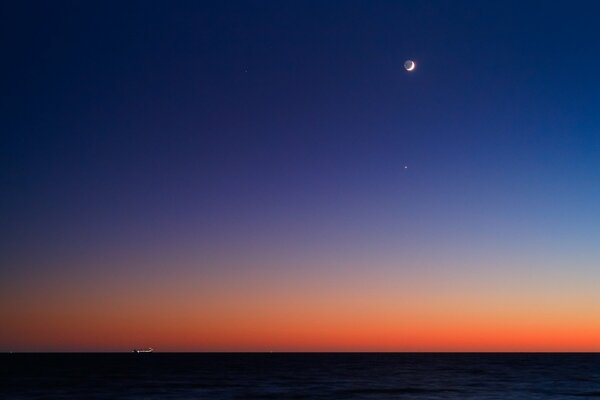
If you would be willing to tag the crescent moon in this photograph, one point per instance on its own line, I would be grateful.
(409, 65)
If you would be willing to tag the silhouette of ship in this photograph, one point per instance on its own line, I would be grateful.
(148, 350)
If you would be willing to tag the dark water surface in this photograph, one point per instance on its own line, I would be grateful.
(299, 376)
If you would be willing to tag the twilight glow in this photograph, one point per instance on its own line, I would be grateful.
(267, 176)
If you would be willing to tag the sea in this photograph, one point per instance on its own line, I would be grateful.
(300, 376)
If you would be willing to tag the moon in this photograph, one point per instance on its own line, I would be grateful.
(409, 65)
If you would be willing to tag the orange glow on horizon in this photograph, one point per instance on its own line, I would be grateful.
(288, 319)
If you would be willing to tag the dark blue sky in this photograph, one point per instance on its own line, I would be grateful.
(280, 130)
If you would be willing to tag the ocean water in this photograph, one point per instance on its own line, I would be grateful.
(300, 376)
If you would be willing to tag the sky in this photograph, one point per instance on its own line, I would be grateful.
(266, 176)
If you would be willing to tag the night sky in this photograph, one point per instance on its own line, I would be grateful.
(266, 175)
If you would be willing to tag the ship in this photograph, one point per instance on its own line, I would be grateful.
(148, 350)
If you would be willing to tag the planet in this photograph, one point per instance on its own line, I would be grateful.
(409, 65)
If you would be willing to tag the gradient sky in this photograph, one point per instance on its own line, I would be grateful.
(197, 176)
